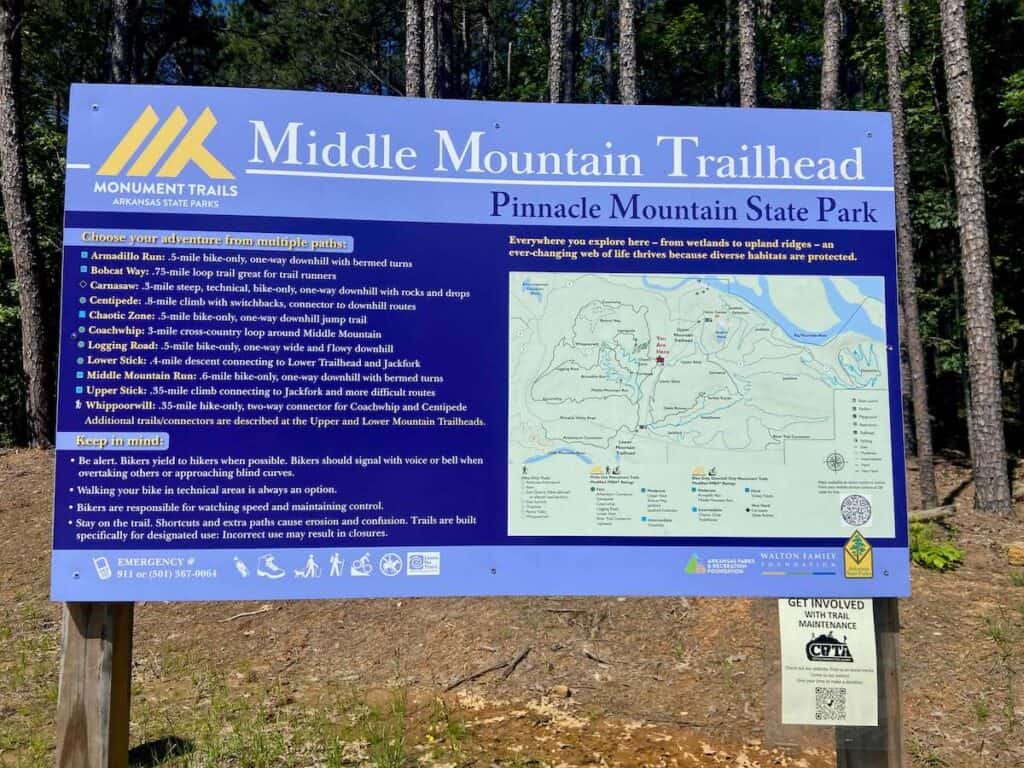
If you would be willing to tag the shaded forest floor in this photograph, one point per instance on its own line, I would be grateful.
(606, 682)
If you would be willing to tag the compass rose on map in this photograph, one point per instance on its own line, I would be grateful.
(835, 461)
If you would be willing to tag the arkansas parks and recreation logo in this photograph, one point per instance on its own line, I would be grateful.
(828, 648)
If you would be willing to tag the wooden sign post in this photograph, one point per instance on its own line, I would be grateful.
(880, 747)
(94, 700)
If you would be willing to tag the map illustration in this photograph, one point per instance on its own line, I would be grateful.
(689, 405)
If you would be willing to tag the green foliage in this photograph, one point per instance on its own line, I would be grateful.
(687, 55)
(929, 552)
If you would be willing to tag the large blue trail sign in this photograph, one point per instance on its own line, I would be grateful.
(317, 345)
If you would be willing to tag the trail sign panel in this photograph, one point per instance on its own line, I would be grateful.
(317, 345)
(829, 662)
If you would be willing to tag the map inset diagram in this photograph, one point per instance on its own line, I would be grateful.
(682, 405)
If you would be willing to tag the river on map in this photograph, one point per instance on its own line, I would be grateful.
(852, 317)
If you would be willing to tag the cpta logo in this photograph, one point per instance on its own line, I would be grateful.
(189, 149)
(828, 648)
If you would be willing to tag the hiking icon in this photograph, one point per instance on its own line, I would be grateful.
(337, 563)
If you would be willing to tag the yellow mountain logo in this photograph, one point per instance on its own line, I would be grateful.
(189, 149)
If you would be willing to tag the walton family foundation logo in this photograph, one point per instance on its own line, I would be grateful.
(189, 149)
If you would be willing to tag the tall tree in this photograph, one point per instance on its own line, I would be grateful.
(569, 22)
(627, 51)
(831, 29)
(430, 41)
(748, 54)
(917, 379)
(727, 40)
(35, 346)
(985, 420)
(556, 49)
(903, 25)
(413, 48)
(486, 52)
(607, 63)
(123, 43)
(447, 76)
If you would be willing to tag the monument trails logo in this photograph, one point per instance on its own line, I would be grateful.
(189, 149)
(151, 148)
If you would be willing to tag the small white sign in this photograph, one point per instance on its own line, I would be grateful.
(829, 666)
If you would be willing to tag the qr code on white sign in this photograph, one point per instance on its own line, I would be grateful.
(830, 704)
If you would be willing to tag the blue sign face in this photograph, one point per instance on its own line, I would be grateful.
(316, 345)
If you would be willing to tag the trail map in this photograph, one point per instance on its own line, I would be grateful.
(685, 405)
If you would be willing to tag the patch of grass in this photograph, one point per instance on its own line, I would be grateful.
(28, 669)
(982, 710)
(447, 731)
(383, 730)
(996, 631)
(1017, 578)
(678, 652)
(925, 756)
(932, 549)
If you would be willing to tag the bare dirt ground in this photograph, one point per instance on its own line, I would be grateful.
(604, 682)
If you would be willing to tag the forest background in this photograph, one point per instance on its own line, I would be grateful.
(775, 53)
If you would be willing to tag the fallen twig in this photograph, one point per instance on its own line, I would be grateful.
(515, 663)
(566, 610)
(468, 678)
(935, 513)
(594, 657)
(264, 609)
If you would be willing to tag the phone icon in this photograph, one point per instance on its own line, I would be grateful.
(102, 566)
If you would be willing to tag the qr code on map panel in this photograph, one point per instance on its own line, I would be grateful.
(830, 704)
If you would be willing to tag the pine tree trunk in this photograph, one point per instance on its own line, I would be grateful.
(991, 482)
(831, 28)
(917, 380)
(413, 48)
(909, 429)
(430, 84)
(903, 26)
(121, 45)
(138, 57)
(727, 91)
(446, 49)
(748, 54)
(465, 53)
(508, 67)
(556, 70)
(627, 52)
(569, 57)
(35, 346)
(486, 53)
(607, 61)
